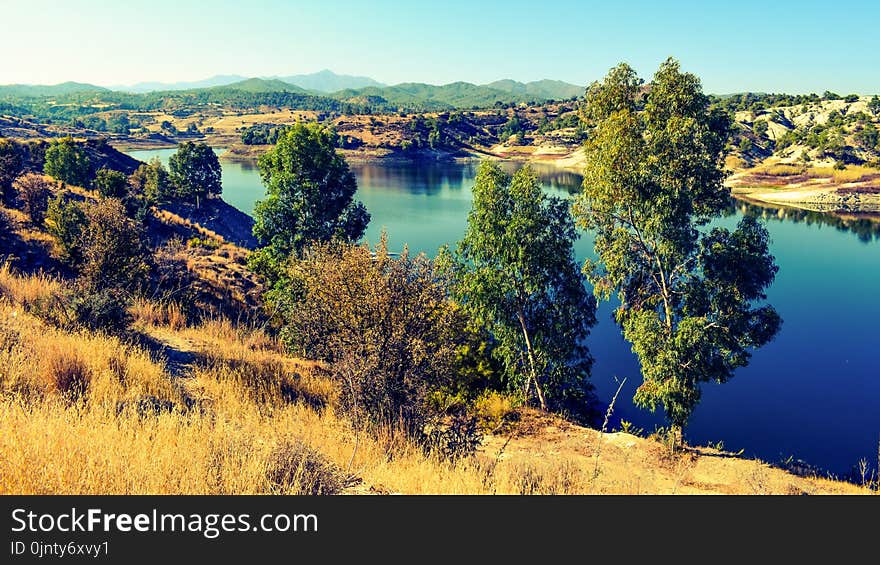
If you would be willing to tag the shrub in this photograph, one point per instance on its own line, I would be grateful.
(33, 195)
(114, 255)
(384, 325)
(65, 372)
(101, 310)
(110, 183)
(455, 440)
(11, 163)
(66, 220)
(493, 409)
(296, 468)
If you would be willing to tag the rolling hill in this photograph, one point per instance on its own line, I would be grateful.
(142, 87)
(327, 81)
(260, 85)
(38, 90)
(540, 89)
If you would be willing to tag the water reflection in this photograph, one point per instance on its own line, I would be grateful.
(433, 177)
(428, 177)
(866, 227)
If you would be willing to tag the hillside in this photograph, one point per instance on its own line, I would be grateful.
(260, 85)
(327, 81)
(539, 90)
(37, 91)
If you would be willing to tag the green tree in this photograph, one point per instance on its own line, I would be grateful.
(195, 171)
(653, 177)
(310, 197)
(874, 105)
(67, 161)
(760, 128)
(110, 183)
(868, 137)
(114, 255)
(11, 165)
(516, 276)
(151, 182)
(66, 221)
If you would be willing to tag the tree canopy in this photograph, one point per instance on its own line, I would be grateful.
(68, 162)
(653, 180)
(516, 275)
(195, 171)
(310, 197)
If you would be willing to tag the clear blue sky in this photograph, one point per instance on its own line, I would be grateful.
(800, 46)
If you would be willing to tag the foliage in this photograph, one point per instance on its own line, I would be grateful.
(151, 182)
(652, 178)
(384, 325)
(262, 134)
(33, 193)
(11, 165)
(66, 220)
(68, 162)
(110, 183)
(310, 192)
(114, 255)
(195, 171)
(760, 128)
(103, 310)
(516, 276)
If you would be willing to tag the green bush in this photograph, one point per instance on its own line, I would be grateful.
(66, 220)
(101, 310)
(110, 183)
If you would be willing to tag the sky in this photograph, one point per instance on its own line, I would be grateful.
(748, 45)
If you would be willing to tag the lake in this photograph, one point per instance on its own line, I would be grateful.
(812, 394)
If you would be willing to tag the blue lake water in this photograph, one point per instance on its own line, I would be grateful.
(812, 394)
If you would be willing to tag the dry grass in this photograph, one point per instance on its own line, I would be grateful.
(781, 170)
(156, 313)
(250, 420)
(28, 292)
(852, 173)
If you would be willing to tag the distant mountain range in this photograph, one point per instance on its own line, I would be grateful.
(39, 90)
(327, 81)
(329, 86)
(219, 80)
(341, 86)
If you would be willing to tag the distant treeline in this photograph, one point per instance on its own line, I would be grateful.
(756, 101)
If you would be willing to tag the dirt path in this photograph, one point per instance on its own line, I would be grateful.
(178, 354)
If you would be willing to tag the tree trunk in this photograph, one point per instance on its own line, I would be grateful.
(522, 323)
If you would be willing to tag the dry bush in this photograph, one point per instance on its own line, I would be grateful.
(64, 371)
(383, 325)
(296, 468)
(493, 409)
(33, 193)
